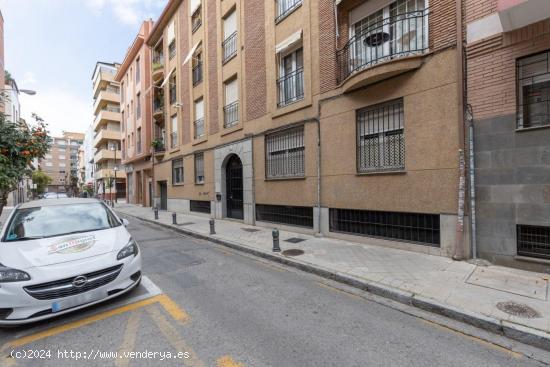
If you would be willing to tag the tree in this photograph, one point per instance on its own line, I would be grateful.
(19, 146)
(41, 180)
(71, 184)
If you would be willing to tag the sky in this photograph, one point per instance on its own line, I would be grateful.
(52, 46)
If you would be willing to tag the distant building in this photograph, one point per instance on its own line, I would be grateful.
(61, 162)
(89, 151)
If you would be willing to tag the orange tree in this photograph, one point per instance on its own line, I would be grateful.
(19, 146)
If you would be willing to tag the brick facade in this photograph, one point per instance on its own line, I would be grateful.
(327, 46)
(185, 112)
(212, 69)
(254, 59)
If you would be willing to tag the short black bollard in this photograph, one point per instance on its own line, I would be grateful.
(174, 220)
(275, 234)
(212, 227)
(156, 213)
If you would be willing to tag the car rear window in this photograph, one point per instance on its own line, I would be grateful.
(57, 220)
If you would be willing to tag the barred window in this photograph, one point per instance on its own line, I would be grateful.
(285, 154)
(533, 90)
(177, 171)
(380, 138)
(199, 168)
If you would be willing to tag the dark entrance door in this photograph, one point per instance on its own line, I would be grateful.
(234, 187)
(150, 194)
(163, 195)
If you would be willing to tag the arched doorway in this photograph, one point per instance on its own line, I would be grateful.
(234, 187)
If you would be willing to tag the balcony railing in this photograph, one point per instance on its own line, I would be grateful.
(397, 36)
(285, 7)
(158, 62)
(173, 139)
(291, 87)
(229, 46)
(231, 114)
(172, 50)
(198, 128)
(196, 19)
(158, 105)
(197, 73)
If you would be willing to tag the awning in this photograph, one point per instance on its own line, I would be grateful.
(336, 2)
(190, 54)
(288, 42)
(193, 6)
(167, 77)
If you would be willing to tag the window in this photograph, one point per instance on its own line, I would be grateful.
(229, 44)
(177, 171)
(380, 138)
(172, 49)
(198, 125)
(122, 125)
(61, 156)
(196, 16)
(199, 168)
(61, 149)
(138, 71)
(199, 206)
(291, 80)
(138, 106)
(197, 69)
(285, 154)
(292, 215)
(285, 7)
(231, 108)
(138, 147)
(174, 131)
(122, 92)
(533, 241)
(533, 90)
(62, 165)
(173, 89)
(49, 164)
(61, 142)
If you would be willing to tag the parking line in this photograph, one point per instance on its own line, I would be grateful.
(227, 361)
(172, 308)
(129, 339)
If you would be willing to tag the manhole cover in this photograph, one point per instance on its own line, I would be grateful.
(250, 229)
(293, 252)
(295, 240)
(518, 309)
(185, 224)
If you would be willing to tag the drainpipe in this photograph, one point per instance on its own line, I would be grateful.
(319, 216)
(471, 173)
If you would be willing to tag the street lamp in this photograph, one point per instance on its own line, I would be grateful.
(30, 92)
(113, 148)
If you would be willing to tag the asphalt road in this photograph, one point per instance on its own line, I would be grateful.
(237, 310)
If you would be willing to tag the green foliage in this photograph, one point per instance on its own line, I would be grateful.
(41, 180)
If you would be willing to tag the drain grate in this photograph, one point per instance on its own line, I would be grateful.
(295, 240)
(293, 252)
(250, 229)
(518, 309)
(185, 224)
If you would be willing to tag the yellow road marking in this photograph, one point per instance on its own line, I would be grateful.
(172, 335)
(227, 361)
(172, 308)
(129, 339)
(329, 287)
(511, 353)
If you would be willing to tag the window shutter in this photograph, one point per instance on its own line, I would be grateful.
(231, 92)
(199, 109)
(171, 33)
(230, 25)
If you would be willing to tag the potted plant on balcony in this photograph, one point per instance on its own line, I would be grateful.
(157, 144)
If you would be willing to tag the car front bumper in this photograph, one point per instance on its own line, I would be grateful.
(17, 307)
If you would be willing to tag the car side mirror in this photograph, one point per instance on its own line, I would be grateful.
(125, 222)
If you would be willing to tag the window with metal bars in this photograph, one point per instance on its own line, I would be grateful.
(199, 168)
(196, 19)
(285, 7)
(411, 227)
(172, 49)
(173, 89)
(380, 137)
(292, 215)
(285, 154)
(533, 78)
(200, 206)
(177, 171)
(533, 241)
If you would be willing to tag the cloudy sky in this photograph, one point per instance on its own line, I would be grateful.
(51, 46)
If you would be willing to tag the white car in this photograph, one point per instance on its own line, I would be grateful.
(57, 256)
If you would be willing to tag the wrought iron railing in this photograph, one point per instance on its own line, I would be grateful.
(196, 19)
(231, 114)
(229, 46)
(291, 88)
(198, 128)
(173, 139)
(172, 49)
(397, 36)
(158, 105)
(197, 73)
(285, 7)
(158, 62)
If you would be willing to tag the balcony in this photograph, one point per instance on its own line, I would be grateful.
(102, 173)
(231, 114)
(103, 78)
(197, 73)
(290, 88)
(198, 128)
(158, 109)
(196, 19)
(229, 47)
(389, 47)
(106, 154)
(104, 135)
(106, 115)
(157, 68)
(105, 97)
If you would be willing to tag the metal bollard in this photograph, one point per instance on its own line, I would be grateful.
(212, 227)
(174, 221)
(156, 213)
(275, 234)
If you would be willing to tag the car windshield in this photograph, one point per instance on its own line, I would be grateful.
(57, 220)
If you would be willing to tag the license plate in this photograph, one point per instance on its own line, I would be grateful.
(78, 300)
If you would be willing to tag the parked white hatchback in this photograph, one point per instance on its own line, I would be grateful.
(57, 256)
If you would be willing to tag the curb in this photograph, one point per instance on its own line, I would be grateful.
(523, 334)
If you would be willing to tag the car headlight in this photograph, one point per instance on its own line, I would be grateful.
(130, 249)
(12, 275)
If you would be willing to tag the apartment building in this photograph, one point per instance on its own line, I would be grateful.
(110, 179)
(136, 95)
(89, 152)
(508, 85)
(61, 162)
(339, 118)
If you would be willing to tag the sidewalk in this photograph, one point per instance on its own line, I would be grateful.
(459, 290)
